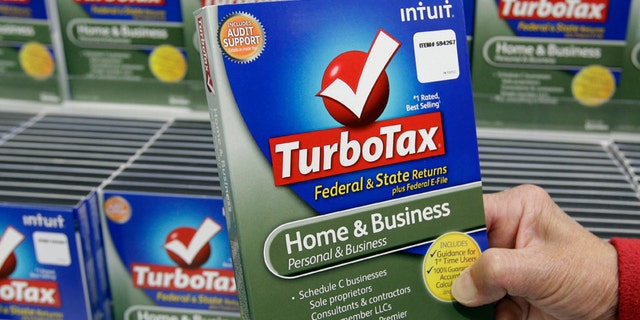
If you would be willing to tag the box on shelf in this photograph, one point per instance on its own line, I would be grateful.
(630, 82)
(347, 150)
(131, 53)
(47, 267)
(165, 231)
(193, 77)
(469, 16)
(550, 64)
(30, 68)
(51, 165)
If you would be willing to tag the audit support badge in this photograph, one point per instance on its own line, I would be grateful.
(241, 37)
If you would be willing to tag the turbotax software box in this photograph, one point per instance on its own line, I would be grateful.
(30, 57)
(130, 52)
(347, 150)
(165, 233)
(550, 64)
(47, 266)
(628, 91)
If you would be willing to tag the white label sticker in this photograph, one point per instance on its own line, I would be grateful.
(436, 55)
(52, 248)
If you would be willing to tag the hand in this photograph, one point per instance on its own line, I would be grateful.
(541, 263)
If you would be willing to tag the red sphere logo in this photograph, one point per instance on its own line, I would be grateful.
(8, 266)
(355, 86)
(9, 241)
(184, 236)
(348, 67)
(189, 247)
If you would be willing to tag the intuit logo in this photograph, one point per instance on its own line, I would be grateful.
(423, 12)
(38, 220)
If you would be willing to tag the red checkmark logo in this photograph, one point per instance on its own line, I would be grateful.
(189, 247)
(9, 241)
(355, 87)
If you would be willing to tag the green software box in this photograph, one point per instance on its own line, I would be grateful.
(193, 77)
(630, 82)
(131, 52)
(348, 156)
(29, 59)
(550, 64)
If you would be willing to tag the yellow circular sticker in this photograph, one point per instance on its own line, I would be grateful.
(593, 85)
(117, 209)
(167, 63)
(446, 258)
(36, 60)
(241, 37)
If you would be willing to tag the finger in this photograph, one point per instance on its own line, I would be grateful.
(495, 274)
(511, 309)
(467, 292)
(505, 212)
(502, 218)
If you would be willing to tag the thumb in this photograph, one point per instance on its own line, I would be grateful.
(495, 274)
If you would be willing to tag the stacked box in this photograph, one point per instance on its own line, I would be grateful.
(46, 273)
(347, 152)
(165, 234)
(193, 78)
(469, 16)
(550, 63)
(29, 59)
(129, 52)
(50, 171)
(628, 90)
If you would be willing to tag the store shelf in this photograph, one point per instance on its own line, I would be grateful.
(180, 160)
(582, 174)
(593, 178)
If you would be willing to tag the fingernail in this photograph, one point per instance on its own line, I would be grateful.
(463, 288)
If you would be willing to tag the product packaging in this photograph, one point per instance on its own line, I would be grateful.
(165, 231)
(469, 16)
(50, 167)
(30, 60)
(549, 64)
(47, 271)
(347, 150)
(628, 91)
(129, 52)
(193, 78)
